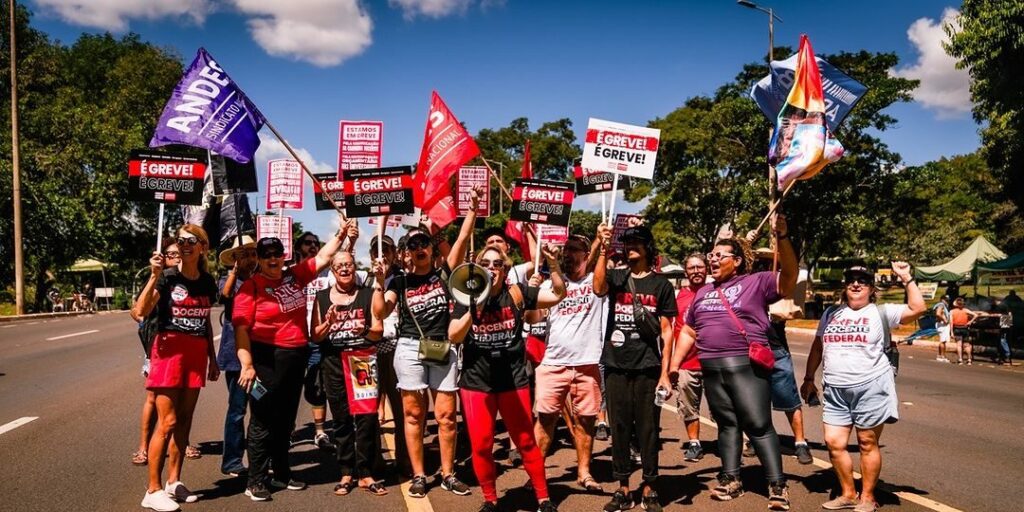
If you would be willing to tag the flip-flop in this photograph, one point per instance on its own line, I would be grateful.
(343, 489)
(140, 458)
(376, 489)
(192, 452)
(590, 485)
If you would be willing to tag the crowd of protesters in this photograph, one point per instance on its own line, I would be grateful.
(598, 343)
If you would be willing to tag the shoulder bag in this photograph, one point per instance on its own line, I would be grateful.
(760, 355)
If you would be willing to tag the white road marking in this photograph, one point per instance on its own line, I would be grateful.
(411, 504)
(72, 335)
(16, 423)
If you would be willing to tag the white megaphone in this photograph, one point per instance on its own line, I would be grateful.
(470, 283)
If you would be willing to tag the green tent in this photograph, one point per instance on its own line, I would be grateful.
(960, 267)
(1012, 263)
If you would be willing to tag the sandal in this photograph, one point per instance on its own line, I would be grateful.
(590, 485)
(344, 488)
(140, 458)
(376, 489)
(192, 452)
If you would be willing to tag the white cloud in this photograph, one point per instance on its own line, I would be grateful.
(322, 32)
(943, 88)
(272, 149)
(114, 14)
(432, 8)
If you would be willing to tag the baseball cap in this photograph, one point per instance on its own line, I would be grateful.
(385, 241)
(641, 233)
(858, 270)
(268, 244)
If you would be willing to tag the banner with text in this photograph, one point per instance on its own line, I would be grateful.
(384, 191)
(335, 189)
(360, 145)
(166, 176)
(284, 185)
(469, 177)
(542, 201)
(557, 235)
(278, 227)
(589, 181)
(621, 148)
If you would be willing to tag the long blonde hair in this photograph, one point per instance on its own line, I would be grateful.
(204, 240)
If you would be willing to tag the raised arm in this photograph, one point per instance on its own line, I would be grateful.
(383, 302)
(915, 300)
(789, 269)
(348, 228)
(600, 245)
(148, 297)
(458, 253)
(549, 297)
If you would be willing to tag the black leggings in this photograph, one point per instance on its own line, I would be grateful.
(272, 418)
(739, 397)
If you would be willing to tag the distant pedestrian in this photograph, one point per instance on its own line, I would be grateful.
(942, 325)
(961, 319)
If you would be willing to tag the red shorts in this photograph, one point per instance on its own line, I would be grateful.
(177, 361)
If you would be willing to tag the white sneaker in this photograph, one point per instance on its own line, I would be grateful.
(159, 501)
(178, 492)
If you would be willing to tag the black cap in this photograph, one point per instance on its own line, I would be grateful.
(386, 241)
(267, 244)
(858, 270)
(641, 233)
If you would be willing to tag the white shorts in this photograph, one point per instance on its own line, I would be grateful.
(943, 334)
(416, 375)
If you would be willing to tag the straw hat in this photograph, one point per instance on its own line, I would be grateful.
(227, 257)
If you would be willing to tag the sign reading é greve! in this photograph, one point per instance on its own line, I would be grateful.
(384, 191)
(621, 148)
(542, 201)
(166, 176)
(589, 181)
(335, 188)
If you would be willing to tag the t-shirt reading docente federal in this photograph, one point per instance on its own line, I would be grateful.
(624, 347)
(717, 333)
(853, 346)
(351, 321)
(493, 354)
(427, 297)
(184, 304)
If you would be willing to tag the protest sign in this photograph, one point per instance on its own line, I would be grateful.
(841, 92)
(394, 221)
(278, 227)
(542, 201)
(555, 235)
(589, 181)
(620, 148)
(335, 189)
(284, 185)
(231, 177)
(469, 177)
(384, 191)
(623, 221)
(360, 145)
(166, 176)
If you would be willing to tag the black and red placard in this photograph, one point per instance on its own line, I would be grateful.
(542, 201)
(172, 176)
(335, 189)
(591, 182)
(373, 192)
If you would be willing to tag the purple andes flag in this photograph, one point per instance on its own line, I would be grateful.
(208, 110)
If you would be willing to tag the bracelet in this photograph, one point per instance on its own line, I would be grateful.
(912, 280)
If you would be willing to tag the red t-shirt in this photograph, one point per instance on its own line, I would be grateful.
(274, 310)
(683, 300)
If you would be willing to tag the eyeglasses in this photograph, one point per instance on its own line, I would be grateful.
(858, 280)
(719, 255)
(497, 264)
(172, 254)
(190, 241)
(340, 266)
(310, 242)
(272, 254)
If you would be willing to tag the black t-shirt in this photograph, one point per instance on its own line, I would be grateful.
(493, 354)
(623, 347)
(427, 297)
(348, 332)
(184, 304)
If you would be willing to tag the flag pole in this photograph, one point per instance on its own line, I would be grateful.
(303, 165)
(383, 220)
(615, 190)
(775, 205)
(604, 206)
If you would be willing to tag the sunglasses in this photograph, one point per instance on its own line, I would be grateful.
(858, 280)
(418, 243)
(719, 255)
(172, 254)
(272, 254)
(341, 266)
(497, 264)
(189, 241)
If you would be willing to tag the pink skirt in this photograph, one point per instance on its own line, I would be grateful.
(177, 361)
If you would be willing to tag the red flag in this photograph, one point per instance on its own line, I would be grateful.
(443, 212)
(446, 147)
(527, 165)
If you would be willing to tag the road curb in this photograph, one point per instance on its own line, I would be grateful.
(62, 314)
(978, 349)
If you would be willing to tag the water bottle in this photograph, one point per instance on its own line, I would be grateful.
(660, 396)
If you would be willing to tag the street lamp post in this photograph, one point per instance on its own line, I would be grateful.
(771, 56)
(19, 260)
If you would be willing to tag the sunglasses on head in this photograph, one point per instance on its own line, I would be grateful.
(190, 241)
(858, 280)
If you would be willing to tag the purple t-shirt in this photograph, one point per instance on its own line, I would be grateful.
(717, 333)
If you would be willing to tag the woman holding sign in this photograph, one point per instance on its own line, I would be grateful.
(424, 358)
(270, 334)
(181, 359)
(494, 376)
(346, 333)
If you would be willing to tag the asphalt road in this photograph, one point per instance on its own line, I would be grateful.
(957, 446)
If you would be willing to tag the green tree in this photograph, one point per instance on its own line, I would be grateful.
(712, 167)
(82, 109)
(988, 41)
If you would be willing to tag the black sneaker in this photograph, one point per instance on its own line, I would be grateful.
(454, 485)
(418, 487)
(258, 492)
(778, 496)
(547, 506)
(292, 485)
(488, 507)
(620, 501)
(515, 458)
(602, 433)
(323, 441)
(803, 453)
(693, 452)
(650, 502)
(728, 488)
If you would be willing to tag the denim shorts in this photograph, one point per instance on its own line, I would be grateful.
(416, 375)
(864, 406)
(785, 396)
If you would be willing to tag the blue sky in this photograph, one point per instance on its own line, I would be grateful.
(309, 63)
